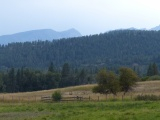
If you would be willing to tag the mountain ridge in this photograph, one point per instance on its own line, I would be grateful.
(41, 34)
(157, 28)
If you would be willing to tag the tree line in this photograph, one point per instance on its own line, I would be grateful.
(25, 79)
(152, 69)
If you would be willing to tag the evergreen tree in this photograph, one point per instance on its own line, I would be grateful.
(18, 79)
(21, 82)
(65, 70)
(155, 69)
(51, 67)
(66, 78)
(152, 70)
(12, 80)
(82, 77)
(1, 83)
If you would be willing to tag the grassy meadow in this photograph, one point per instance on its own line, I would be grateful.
(142, 88)
(28, 106)
(117, 110)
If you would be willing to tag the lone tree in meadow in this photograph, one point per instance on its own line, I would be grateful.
(107, 83)
(127, 79)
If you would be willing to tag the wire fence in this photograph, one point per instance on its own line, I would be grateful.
(68, 96)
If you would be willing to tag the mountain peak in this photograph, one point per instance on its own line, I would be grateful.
(40, 34)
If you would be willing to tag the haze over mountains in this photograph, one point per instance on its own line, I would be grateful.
(49, 34)
(42, 34)
(157, 28)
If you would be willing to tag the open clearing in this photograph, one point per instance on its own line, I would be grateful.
(112, 109)
(148, 87)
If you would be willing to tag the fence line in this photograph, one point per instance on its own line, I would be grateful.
(72, 98)
(13, 98)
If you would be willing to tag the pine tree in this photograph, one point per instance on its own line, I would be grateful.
(82, 77)
(150, 70)
(66, 78)
(12, 80)
(1, 82)
(155, 69)
(51, 67)
(18, 79)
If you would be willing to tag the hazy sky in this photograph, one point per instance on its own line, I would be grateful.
(87, 16)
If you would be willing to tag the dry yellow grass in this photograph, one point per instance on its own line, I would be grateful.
(148, 87)
(36, 95)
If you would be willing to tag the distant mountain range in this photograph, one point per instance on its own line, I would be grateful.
(157, 28)
(42, 34)
(49, 34)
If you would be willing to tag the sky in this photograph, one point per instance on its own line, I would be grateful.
(87, 16)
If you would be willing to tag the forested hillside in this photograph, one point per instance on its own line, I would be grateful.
(111, 49)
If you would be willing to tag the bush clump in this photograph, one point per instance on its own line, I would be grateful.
(155, 77)
(147, 97)
(56, 96)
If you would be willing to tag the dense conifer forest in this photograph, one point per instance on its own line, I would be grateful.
(25, 79)
(24, 66)
(112, 49)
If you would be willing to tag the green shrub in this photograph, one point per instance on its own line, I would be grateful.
(147, 97)
(145, 78)
(56, 96)
(155, 77)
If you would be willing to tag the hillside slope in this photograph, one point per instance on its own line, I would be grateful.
(147, 87)
(112, 49)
